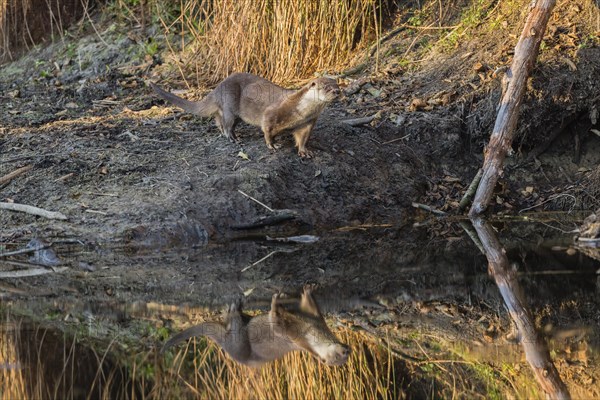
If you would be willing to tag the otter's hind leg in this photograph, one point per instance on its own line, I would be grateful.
(236, 343)
(219, 123)
(228, 122)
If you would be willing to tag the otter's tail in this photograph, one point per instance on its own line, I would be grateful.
(212, 330)
(204, 108)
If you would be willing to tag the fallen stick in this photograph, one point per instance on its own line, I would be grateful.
(514, 84)
(256, 201)
(24, 251)
(40, 212)
(12, 175)
(259, 261)
(464, 202)
(428, 208)
(360, 121)
(22, 273)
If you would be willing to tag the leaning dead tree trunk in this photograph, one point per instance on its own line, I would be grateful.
(534, 345)
(513, 85)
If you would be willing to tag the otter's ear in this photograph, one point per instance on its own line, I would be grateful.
(313, 84)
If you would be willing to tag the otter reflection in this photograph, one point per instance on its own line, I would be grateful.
(257, 340)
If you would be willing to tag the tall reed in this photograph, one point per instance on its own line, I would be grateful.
(282, 40)
(35, 365)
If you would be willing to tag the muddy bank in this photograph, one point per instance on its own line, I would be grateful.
(104, 156)
(108, 154)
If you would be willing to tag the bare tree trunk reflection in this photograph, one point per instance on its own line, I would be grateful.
(536, 350)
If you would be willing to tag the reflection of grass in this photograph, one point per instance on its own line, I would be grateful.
(497, 379)
(54, 371)
(369, 373)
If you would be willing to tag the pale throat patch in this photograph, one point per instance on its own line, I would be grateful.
(311, 99)
(322, 346)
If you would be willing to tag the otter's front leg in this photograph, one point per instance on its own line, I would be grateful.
(308, 303)
(301, 136)
(276, 308)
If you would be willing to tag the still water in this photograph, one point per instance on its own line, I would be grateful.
(425, 314)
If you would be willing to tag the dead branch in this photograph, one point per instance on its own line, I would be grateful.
(22, 273)
(32, 210)
(360, 121)
(429, 208)
(534, 345)
(24, 251)
(515, 82)
(256, 201)
(12, 175)
(464, 202)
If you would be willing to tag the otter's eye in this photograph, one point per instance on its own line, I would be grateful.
(313, 84)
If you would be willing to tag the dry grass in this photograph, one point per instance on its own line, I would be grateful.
(370, 373)
(33, 365)
(24, 23)
(282, 40)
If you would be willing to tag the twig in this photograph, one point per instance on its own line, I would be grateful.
(362, 227)
(24, 251)
(360, 121)
(466, 199)
(101, 194)
(89, 210)
(395, 140)
(85, 9)
(32, 210)
(253, 199)
(261, 260)
(22, 273)
(547, 200)
(10, 176)
(64, 177)
(428, 208)
(473, 235)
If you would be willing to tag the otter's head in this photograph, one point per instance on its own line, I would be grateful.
(323, 344)
(333, 353)
(322, 90)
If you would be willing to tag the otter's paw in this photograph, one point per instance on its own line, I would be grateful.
(233, 138)
(235, 306)
(309, 288)
(305, 154)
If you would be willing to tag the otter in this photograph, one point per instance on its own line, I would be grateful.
(262, 103)
(254, 341)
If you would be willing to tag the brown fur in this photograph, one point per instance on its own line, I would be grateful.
(267, 337)
(261, 103)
